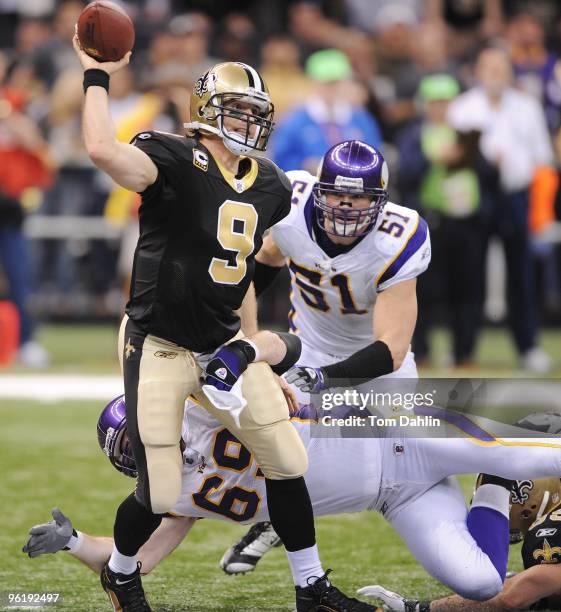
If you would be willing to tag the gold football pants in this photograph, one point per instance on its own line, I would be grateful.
(159, 376)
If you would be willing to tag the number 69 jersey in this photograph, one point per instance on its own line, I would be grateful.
(221, 480)
(332, 298)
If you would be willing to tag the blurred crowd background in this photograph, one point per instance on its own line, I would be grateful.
(462, 96)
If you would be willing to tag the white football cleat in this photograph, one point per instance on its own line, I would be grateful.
(243, 556)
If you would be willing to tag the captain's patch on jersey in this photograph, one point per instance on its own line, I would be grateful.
(200, 160)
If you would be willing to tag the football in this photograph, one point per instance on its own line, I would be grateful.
(105, 31)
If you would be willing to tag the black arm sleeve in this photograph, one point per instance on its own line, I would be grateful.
(293, 350)
(263, 277)
(370, 362)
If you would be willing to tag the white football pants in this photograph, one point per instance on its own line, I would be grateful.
(427, 508)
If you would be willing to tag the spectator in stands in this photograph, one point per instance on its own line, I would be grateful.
(237, 39)
(280, 68)
(372, 15)
(515, 139)
(538, 72)
(55, 54)
(326, 118)
(428, 55)
(192, 32)
(471, 23)
(72, 192)
(443, 175)
(25, 168)
(311, 29)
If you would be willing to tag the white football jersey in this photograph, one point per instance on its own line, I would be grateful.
(332, 299)
(222, 481)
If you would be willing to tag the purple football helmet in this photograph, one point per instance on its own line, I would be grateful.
(113, 439)
(352, 168)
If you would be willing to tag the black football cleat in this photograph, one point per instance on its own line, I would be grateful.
(125, 591)
(322, 596)
(243, 556)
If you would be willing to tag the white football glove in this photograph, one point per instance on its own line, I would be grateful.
(394, 601)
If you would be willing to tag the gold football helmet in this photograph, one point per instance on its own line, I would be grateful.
(214, 97)
(531, 499)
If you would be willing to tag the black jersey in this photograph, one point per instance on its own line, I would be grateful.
(542, 544)
(200, 228)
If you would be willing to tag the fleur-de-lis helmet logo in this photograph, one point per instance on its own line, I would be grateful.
(203, 83)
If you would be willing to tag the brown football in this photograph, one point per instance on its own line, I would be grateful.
(105, 31)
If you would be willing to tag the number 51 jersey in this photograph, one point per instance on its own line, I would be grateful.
(332, 298)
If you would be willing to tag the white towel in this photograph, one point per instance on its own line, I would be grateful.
(232, 400)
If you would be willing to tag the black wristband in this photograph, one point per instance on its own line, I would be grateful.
(263, 277)
(96, 77)
(245, 347)
(293, 351)
(370, 362)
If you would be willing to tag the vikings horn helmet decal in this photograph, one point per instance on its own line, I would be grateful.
(224, 85)
(351, 168)
(113, 439)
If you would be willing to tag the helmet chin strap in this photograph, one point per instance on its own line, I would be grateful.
(235, 147)
(230, 141)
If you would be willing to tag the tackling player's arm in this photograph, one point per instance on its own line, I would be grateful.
(395, 316)
(169, 535)
(279, 349)
(248, 312)
(268, 263)
(519, 593)
(126, 164)
(94, 551)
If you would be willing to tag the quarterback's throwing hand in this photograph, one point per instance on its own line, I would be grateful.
(227, 365)
(309, 380)
(49, 537)
(89, 62)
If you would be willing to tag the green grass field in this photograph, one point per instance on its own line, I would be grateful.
(49, 456)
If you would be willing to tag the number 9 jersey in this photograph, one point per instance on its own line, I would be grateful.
(332, 298)
(200, 227)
